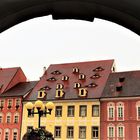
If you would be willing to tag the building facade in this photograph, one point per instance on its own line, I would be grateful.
(120, 107)
(75, 90)
(13, 90)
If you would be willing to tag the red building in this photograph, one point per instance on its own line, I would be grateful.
(13, 90)
(120, 107)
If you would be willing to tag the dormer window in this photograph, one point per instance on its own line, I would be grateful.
(51, 79)
(65, 78)
(59, 86)
(59, 93)
(77, 85)
(82, 77)
(41, 93)
(56, 72)
(82, 92)
(98, 69)
(92, 85)
(95, 76)
(47, 88)
(75, 70)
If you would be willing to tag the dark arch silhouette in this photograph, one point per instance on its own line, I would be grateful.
(123, 12)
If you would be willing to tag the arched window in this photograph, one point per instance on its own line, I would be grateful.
(111, 131)
(138, 110)
(8, 117)
(6, 134)
(120, 111)
(111, 111)
(15, 134)
(120, 130)
(16, 117)
(1, 117)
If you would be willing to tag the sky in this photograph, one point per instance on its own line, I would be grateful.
(42, 41)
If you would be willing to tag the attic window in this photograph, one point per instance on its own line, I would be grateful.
(98, 69)
(77, 85)
(59, 93)
(59, 86)
(95, 76)
(83, 92)
(41, 93)
(121, 79)
(75, 70)
(82, 77)
(119, 87)
(57, 72)
(51, 79)
(47, 88)
(65, 78)
(92, 85)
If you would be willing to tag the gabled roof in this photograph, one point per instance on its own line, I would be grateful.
(9, 77)
(54, 73)
(130, 86)
(20, 89)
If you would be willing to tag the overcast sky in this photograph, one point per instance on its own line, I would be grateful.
(42, 41)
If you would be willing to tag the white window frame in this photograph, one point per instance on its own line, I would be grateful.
(11, 102)
(1, 114)
(111, 105)
(16, 114)
(6, 130)
(108, 133)
(17, 100)
(137, 106)
(15, 130)
(8, 114)
(120, 105)
(118, 131)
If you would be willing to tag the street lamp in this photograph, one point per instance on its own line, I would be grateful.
(41, 109)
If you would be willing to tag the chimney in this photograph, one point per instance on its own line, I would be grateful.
(44, 70)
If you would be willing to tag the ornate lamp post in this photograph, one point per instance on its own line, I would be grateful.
(41, 109)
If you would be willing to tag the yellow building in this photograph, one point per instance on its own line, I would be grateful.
(75, 90)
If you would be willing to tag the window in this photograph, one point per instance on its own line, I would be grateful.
(7, 134)
(95, 76)
(95, 132)
(9, 103)
(15, 136)
(82, 77)
(59, 86)
(83, 92)
(17, 102)
(8, 118)
(98, 69)
(82, 132)
(138, 112)
(59, 93)
(95, 110)
(58, 111)
(120, 110)
(65, 78)
(70, 111)
(1, 117)
(77, 85)
(16, 119)
(1, 103)
(70, 132)
(138, 131)
(111, 111)
(56, 72)
(29, 128)
(75, 70)
(57, 132)
(120, 132)
(83, 111)
(110, 131)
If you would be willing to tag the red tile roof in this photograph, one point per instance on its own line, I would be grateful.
(7, 76)
(54, 73)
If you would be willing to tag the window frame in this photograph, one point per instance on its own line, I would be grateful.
(96, 132)
(80, 111)
(59, 136)
(81, 137)
(70, 134)
(93, 114)
(58, 109)
(71, 108)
